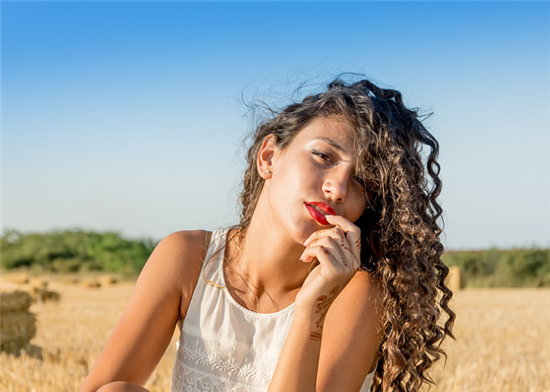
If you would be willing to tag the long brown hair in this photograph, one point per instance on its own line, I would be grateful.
(400, 229)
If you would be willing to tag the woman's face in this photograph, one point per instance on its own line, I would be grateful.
(316, 168)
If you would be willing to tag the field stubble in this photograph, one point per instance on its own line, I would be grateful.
(503, 342)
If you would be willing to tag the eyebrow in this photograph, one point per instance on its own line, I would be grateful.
(331, 142)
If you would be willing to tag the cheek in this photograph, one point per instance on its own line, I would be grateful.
(284, 185)
(358, 209)
(294, 177)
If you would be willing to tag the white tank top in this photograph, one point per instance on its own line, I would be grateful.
(224, 347)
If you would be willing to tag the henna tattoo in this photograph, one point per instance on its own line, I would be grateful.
(342, 253)
(322, 306)
(315, 336)
(325, 251)
(343, 245)
(340, 232)
(358, 243)
(321, 299)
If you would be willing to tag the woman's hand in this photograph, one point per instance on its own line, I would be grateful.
(338, 251)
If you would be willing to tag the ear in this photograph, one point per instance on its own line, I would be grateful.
(266, 156)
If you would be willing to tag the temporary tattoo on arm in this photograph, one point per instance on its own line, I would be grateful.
(321, 308)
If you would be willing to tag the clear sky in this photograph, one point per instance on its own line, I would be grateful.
(128, 115)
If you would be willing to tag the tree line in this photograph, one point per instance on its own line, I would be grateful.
(74, 251)
(503, 268)
(83, 251)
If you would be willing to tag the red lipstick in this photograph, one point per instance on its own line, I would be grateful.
(319, 216)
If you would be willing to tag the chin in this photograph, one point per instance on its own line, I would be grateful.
(302, 232)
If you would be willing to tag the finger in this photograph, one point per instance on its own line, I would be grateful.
(350, 253)
(353, 234)
(346, 251)
(337, 233)
(334, 232)
(339, 247)
(344, 223)
(324, 255)
(326, 242)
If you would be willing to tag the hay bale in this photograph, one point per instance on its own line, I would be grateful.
(22, 278)
(70, 280)
(17, 324)
(43, 295)
(16, 330)
(107, 280)
(39, 283)
(13, 298)
(455, 280)
(46, 295)
(91, 284)
(14, 301)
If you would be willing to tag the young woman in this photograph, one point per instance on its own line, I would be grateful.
(332, 280)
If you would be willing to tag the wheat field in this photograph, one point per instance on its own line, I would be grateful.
(502, 342)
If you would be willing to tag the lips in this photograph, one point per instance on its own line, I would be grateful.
(318, 210)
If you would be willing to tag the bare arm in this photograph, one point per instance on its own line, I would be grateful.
(161, 297)
(352, 336)
(347, 351)
(335, 334)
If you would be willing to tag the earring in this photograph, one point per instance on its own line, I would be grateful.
(267, 171)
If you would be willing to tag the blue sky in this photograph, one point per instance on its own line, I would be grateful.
(128, 115)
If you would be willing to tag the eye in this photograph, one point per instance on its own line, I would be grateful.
(361, 181)
(322, 155)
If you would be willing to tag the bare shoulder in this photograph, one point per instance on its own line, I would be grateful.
(363, 284)
(352, 335)
(360, 304)
(180, 255)
(183, 240)
(182, 249)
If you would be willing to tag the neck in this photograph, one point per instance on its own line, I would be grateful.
(268, 259)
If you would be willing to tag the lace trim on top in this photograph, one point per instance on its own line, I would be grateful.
(206, 365)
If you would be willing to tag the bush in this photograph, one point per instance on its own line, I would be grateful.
(503, 268)
(74, 250)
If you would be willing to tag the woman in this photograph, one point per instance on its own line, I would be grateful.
(332, 281)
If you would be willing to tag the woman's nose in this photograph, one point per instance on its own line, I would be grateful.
(336, 185)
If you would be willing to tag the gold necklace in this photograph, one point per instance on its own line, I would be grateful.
(237, 244)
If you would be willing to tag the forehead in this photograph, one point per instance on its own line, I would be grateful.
(328, 129)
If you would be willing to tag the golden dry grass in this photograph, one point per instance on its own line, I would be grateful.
(71, 334)
(503, 342)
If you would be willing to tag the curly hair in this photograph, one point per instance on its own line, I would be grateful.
(400, 228)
